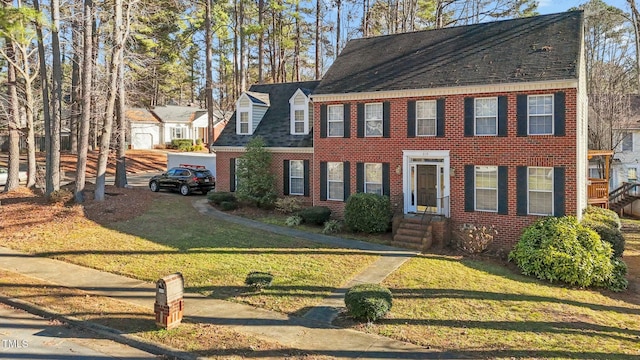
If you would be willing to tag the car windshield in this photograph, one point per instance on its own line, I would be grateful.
(203, 173)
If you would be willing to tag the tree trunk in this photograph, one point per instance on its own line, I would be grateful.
(53, 153)
(121, 165)
(338, 10)
(85, 121)
(317, 65)
(298, 46)
(75, 82)
(105, 136)
(44, 79)
(260, 40)
(13, 180)
(209, 77)
(635, 18)
(29, 106)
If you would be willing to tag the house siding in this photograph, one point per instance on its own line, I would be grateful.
(512, 151)
(223, 178)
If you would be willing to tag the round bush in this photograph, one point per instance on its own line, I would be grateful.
(258, 279)
(369, 213)
(368, 302)
(228, 205)
(217, 198)
(608, 232)
(561, 249)
(618, 279)
(604, 215)
(317, 215)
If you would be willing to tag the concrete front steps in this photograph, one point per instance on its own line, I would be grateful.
(419, 232)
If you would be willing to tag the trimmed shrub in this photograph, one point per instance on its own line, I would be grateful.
(292, 221)
(618, 280)
(181, 144)
(332, 227)
(258, 279)
(228, 205)
(561, 249)
(368, 302)
(288, 205)
(608, 232)
(369, 213)
(317, 215)
(217, 198)
(604, 215)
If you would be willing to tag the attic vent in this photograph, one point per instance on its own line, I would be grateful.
(244, 102)
(299, 99)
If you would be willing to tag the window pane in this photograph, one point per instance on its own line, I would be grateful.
(487, 107)
(244, 128)
(336, 129)
(540, 115)
(426, 127)
(296, 168)
(296, 187)
(334, 171)
(540, 203)
(426, 109)
(632, 174)
(373, 119)
(335, 113)
(486, 126)
(486, 200)
(336, 191)
(373, 178)
(373, 188)
(541, 179)
(335, 118)
(486, 178)
(627, 142)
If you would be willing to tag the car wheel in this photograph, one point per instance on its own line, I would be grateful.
(154, 186)
(184, 189)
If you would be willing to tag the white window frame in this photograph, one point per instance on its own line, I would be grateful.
(331, 120)
(368, 182)
(175, 130)
(336, 181)
(476, 188)
(244, 109)
(299, 107)
(629, 171)
(529, 115)
(367, 119)
(292, 177)
(529, 191)
(476, 117)
(433, 103)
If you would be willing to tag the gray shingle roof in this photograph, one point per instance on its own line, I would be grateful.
(275, 125)
(539, 48)
(176, 114)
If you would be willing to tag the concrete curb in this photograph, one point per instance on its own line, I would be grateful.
(101, 330)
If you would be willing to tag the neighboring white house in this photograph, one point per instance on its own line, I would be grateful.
(145, 129)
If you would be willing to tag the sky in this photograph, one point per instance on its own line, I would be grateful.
(555, 6)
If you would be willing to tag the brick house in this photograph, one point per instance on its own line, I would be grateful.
(282, 115)
(483, 124)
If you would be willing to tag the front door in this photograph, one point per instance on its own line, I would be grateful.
(427, 185)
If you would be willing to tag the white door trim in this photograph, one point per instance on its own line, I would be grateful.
(408, 157)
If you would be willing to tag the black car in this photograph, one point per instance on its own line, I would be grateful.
(185, 179)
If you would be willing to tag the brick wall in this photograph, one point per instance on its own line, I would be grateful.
(511, 151)
(223, 180)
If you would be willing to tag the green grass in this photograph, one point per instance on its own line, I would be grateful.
(484, 310)
(213, 255)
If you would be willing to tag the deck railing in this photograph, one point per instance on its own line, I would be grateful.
(598, 192)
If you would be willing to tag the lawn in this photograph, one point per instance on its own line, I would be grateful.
(474, 307)
(213, 255)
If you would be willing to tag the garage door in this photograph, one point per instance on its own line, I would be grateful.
(142, 141)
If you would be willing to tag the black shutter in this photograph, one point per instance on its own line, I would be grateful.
(559, 114)
(469, 188)
(323, 180)
(411, 119)
(440, 117)
(386, 181)
(323, 121)
(503, 190)
(502, 116)
(285, 177)
(346, 180)
(558, 191)
(347, 120)
(521, 190)
(386, 119)
(468, 116)
(360, 120)
(359, 177)
(307, 175)
(521, 116)
(232, 174)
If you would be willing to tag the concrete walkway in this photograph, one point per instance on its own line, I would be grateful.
(312, 333)
(325, 312)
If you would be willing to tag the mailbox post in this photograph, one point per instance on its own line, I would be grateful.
(169, 304)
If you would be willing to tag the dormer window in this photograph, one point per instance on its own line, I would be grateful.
(243, 115)
(299, 113)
